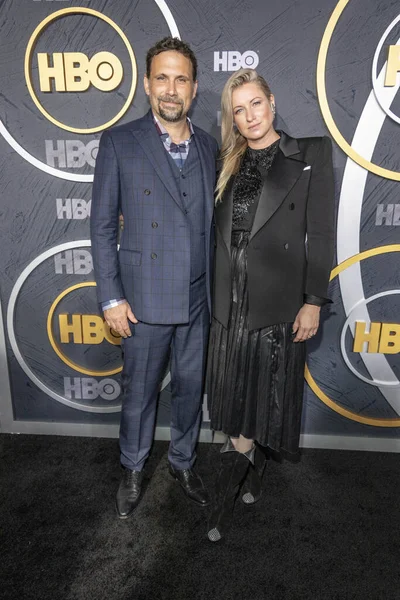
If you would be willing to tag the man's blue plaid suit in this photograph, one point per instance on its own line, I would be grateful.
(154, 270)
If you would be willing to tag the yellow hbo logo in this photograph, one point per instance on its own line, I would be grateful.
(74, 71)
(393, 66)
(374, 345)
(383, 338)
(85, 329)
(76, 330)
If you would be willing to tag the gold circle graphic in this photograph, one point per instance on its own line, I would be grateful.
(324, 105)
(28, 56)
(309, 378)
(54, 344)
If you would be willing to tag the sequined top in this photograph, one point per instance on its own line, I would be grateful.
(248, 184)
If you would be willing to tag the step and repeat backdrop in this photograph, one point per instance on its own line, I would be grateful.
(71, 69)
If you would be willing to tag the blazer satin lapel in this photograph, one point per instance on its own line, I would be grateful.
(208, 169)
(278, 182)
(152, 146)
(223, 214)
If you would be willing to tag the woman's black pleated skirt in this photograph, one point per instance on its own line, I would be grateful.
(255, 378)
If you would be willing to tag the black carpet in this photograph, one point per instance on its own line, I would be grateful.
(326, 529)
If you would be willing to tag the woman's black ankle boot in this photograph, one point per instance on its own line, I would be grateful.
(233, 470)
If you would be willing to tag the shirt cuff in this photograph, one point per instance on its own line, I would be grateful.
(316, 300)
(111, 303)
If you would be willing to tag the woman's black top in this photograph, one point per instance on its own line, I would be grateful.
(248, 185)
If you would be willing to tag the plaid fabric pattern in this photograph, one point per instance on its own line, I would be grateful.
(180, 151)
(135, 175)
(145, 355)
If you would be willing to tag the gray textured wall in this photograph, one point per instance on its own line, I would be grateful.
(286, 38)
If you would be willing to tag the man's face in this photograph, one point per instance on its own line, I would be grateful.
(170, 87)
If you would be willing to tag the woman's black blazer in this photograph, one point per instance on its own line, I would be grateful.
(291, 244)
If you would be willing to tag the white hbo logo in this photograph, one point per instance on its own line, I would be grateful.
(88, 388)
(73, 154)
(234, 60)
(73, 208)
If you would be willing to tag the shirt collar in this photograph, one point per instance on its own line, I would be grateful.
(163, 132)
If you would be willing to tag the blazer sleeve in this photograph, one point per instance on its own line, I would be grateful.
(104, 222)
(320, 222)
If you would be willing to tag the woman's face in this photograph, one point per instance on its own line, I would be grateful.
(253, 116)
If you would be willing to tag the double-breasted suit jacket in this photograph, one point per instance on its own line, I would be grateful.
(152, 268)
(291, 243)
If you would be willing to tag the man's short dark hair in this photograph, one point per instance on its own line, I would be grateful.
(167, 44)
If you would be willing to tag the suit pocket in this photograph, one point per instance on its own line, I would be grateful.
(130, 257)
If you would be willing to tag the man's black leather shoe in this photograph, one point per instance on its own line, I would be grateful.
(191, 484)
(128, 494)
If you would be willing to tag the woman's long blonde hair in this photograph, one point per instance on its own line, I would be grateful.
(233, 143)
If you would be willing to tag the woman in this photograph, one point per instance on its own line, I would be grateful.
(274, 232)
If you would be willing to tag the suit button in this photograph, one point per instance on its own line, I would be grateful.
(154, 225)
(291, 207)
(183, 177)
(153, 255)
(184, 194)
(286, 246)
(147, 192)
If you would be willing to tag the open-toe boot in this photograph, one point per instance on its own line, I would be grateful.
(251, 490)
(233, 470)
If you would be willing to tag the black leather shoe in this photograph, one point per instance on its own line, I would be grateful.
(191, 484)
(128, 494)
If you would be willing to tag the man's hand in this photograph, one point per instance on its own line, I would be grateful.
(117, 318)
(306, 322)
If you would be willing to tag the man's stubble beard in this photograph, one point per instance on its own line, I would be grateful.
(170, 117)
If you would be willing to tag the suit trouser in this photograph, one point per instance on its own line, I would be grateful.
(146, 355)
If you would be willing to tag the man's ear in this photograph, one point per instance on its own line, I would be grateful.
(195, 89)
(146, 85)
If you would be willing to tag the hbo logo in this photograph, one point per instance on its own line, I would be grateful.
(73, 154)
(233, 61)
(74, 72)
(88, 388)
(79, 262)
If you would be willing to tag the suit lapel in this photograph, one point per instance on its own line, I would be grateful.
(152, 146)
(223, 214)
(207, 163)
(283, 174)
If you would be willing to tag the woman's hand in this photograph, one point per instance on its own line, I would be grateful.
(306, 322)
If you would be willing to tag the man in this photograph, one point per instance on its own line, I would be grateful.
(159, 172)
